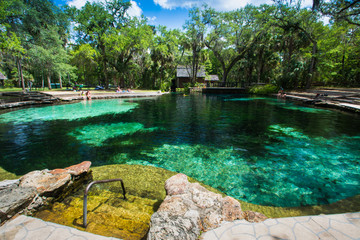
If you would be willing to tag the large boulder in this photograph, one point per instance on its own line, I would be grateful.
(50, 181)
(14, 200)
(44, 181)
(189, 209)
(38, 188)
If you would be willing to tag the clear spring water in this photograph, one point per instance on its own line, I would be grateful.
(260, 150)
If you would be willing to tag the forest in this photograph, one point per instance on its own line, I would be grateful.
(100, 44)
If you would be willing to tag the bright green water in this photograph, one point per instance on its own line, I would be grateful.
(260, 150)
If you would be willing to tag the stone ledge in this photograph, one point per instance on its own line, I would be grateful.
(190, 209)
(39, 188)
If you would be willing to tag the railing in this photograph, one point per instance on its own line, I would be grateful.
(87, 190)
(223, 84)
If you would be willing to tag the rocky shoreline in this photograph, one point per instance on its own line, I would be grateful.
(187, 211)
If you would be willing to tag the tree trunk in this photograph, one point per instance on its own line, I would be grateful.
(102, 47)
(21, 75)
(60, 81)
(312, 65)
(49, 82)
(260, 66)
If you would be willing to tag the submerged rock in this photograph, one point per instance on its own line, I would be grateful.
(189, 209)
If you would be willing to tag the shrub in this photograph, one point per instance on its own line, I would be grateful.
(263, 89)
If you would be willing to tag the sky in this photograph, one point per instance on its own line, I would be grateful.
(173, 13)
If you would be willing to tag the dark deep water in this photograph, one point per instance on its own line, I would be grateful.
(260, 150)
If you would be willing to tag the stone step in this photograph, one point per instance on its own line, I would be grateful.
(108, 214)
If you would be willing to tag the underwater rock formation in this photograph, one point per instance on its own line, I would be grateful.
(39, 188)
(190, 208)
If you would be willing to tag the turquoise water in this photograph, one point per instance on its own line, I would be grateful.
(260, 150)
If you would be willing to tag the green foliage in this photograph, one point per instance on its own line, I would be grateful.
(85, 58)
(187, 87)
(263, 89)
(282, 42)
(165, 86)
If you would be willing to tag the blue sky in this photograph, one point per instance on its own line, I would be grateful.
(173, 13)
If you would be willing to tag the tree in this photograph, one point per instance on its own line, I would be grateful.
(166, 55)
(232, 35)
(94, 21)
(49, 54)
(342, 10)
(85, 59)
(194, 41)
(300, 29)
(123, 45)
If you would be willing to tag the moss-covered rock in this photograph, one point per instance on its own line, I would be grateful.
(5, 175)
(110, 215)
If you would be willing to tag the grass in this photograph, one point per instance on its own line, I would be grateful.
(15, 89)
(10, 89)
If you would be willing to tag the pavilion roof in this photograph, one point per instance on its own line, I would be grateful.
(212, 78)
(183, 71)
(2, 76)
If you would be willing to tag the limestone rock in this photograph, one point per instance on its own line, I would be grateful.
(39, 188)
(231, 209)
(165, 225)
(9, 184)
(44, 181)
(256, 217)
(14, 200)
(79, 168)
(176, 184)
(74, 170)
(190, 208)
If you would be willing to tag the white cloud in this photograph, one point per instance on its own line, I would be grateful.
(325, 20)
(77, 3)
(307, 3)
(219, 5)
(134, 10)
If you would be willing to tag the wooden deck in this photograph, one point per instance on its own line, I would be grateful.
(222, 90)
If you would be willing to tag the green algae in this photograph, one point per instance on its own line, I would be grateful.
(287, 131)
(350, 204)
(97, 134)
(69, 112)
(294, 107)
(5, 175)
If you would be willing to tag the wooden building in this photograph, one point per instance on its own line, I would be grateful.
(183, 75)
(211, 79)
(2, 78)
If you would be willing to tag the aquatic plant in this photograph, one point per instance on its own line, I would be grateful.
(97, 134)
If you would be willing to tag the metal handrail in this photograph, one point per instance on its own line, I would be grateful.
(87, 190)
